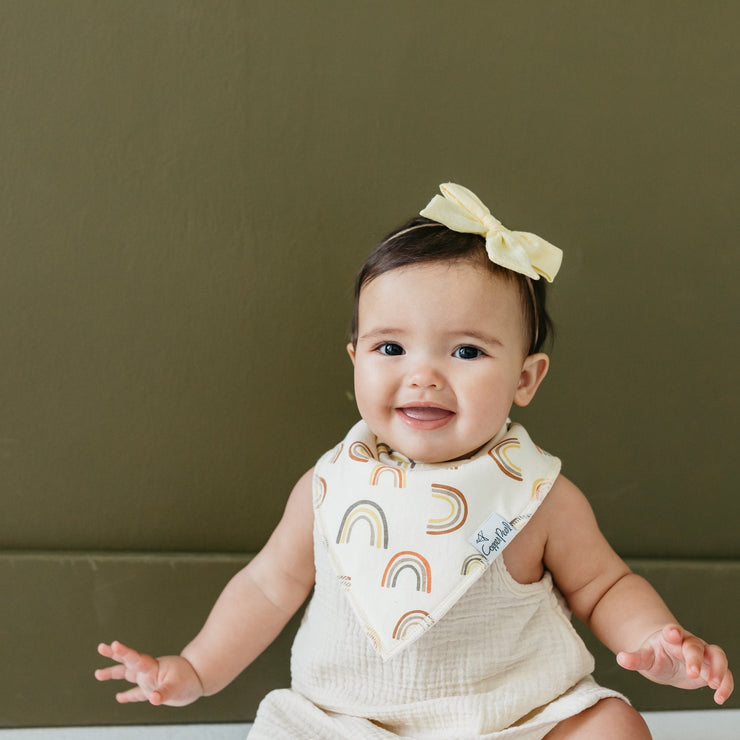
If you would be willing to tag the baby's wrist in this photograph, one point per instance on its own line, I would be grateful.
(195, 672)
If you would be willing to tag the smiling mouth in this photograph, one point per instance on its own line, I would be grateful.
(425, 417)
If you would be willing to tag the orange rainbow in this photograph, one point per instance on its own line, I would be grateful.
(416, 617)
(413, 561)
(373, 637)
(397, 475)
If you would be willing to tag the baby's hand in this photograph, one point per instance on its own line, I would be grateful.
(676, 657)
(170, 680)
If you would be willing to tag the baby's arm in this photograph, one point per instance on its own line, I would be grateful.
(248, 615)
(622, 609)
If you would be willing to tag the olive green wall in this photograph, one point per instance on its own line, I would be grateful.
(187, 189)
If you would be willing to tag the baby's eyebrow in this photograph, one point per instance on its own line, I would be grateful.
(381, 331)
(385, 332)
(476, 335)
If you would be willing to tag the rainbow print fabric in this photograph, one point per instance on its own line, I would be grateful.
(400, 534)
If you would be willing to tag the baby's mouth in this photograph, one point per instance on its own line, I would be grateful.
(425, 413)
(425, 418)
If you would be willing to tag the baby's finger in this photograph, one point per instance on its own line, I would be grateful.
(693, 651)
(114, 672)
(132, 695)
(640, 660)
(715, 665)
(674, 633)
(132, 659)
(105, 650)
(726, 687)
(160, 695)
(716, 673)
(121, 652)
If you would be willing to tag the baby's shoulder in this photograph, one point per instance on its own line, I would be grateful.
(564, 513)
(563, 520)
(303, 491)
(564, 501)
(525, 557)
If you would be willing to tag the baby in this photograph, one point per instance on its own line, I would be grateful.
(445, 549)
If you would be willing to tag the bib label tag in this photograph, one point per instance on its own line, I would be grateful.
(492, 536)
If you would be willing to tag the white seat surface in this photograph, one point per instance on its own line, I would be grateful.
(717, 724)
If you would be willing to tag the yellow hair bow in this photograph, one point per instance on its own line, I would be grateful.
(462, 210)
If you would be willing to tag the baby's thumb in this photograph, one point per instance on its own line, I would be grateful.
(160, 695)
(639, 660)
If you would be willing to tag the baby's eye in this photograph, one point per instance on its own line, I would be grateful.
(466, 352)
(390, 348)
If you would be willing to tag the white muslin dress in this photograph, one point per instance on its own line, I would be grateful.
(415, 628)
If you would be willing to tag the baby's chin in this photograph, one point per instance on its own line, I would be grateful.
(431, 446)
(440, 457)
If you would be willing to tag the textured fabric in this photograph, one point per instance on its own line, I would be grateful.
(503, 662)
(403, 536)
(286, 715)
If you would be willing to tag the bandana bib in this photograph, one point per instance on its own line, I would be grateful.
(406, 539)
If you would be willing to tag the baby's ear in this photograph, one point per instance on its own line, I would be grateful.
(351, 352)
(534, 369)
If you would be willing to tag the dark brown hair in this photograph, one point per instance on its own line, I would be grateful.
(421, 240)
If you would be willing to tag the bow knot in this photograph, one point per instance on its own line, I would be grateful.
(491, 224)
(461, 210)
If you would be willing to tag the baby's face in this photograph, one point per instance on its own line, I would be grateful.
(440, 358)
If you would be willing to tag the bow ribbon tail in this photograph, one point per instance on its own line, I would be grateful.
(511, 254)
(544, 257)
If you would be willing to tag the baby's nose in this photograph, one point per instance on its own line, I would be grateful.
(426, 375)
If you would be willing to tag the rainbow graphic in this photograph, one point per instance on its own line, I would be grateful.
(413, 561)
(336, 452)
(457, 510)
(411, 622)
(319, 491)
(397, 457)
(372, 635)
(540, 488)
(372, 515)
(397, 476)
(500, 454)
(473, 562)
(360, 452)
